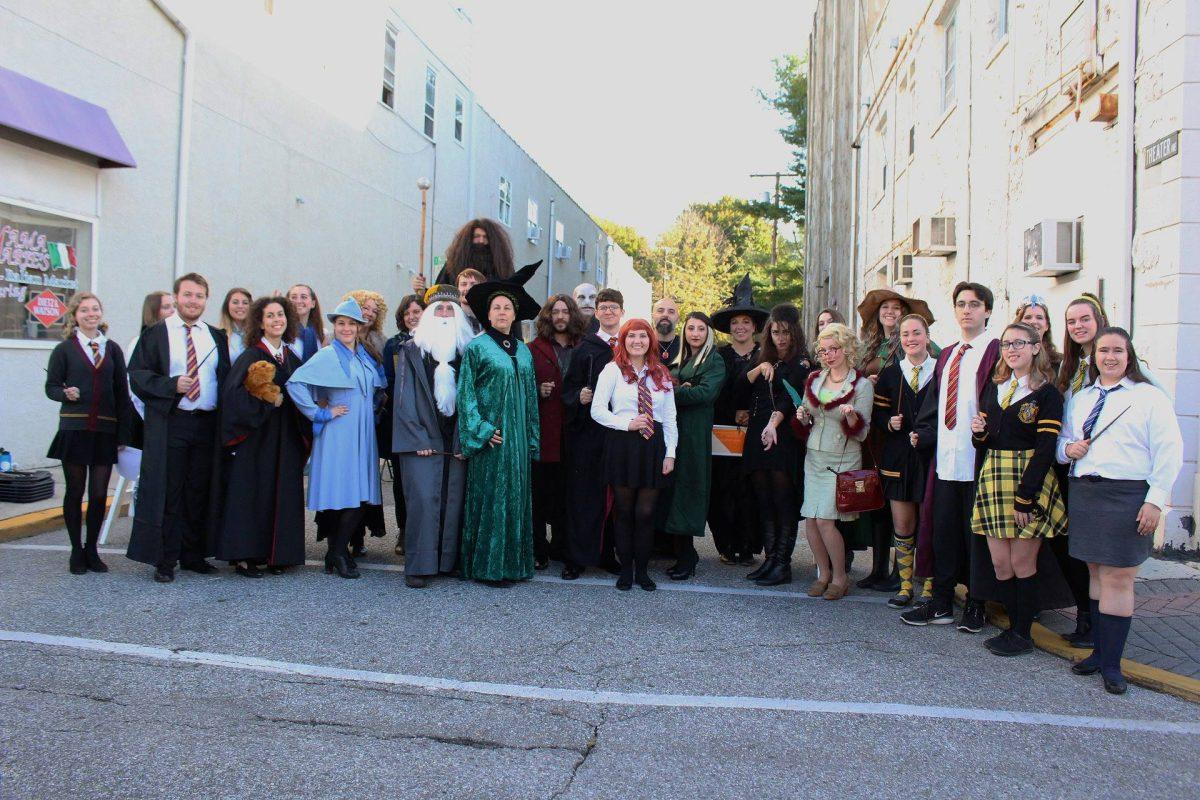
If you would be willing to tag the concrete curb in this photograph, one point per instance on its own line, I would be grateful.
(1160, 680)
(35, 522)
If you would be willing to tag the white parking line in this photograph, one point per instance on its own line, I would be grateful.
(542, 693)
(669, 586)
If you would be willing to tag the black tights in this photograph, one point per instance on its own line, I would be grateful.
(776, 497)
(95, 477)
(341, 529)
(633, 526)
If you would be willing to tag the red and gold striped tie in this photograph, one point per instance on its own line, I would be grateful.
(645, 405)
(952, 388)
(95, 352)
(193, 367)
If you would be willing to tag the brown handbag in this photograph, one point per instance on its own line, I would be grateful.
(858, 490)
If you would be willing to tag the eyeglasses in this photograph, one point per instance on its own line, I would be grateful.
(1015, 344)
(833, 348)
(608, 307)
(971, 304)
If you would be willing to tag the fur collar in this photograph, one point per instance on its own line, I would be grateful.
(846, 396)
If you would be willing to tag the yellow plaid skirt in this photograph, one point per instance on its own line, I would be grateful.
(997, 491)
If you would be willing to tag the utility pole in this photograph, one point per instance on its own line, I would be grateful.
(775, 221)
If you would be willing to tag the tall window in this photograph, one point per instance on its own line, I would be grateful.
(505, 211)
(582, 256)
(459, 121)
(949, 59)
(389, 67)
(533, 231)
(1001, 19)
(430, 99)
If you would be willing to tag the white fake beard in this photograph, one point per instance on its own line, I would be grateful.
(445, 392)
(442, 338)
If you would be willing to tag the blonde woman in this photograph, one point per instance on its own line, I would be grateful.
(234, 310)
(836, 412)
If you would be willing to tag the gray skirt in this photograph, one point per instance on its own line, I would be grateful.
(820, 485)
(1102, 526)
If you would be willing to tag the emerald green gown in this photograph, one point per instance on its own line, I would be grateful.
(497, 532)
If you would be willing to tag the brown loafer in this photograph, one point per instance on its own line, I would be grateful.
(818, 588)
(836, 592)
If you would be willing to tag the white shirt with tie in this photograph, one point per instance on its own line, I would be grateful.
(101, 340)
(204, 344)
(955, 450)
(924, 371)
(615, 404)
(1143, 444)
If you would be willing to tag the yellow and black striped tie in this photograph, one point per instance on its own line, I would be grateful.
(1077, 381)
(1008, 395)
(915, 380)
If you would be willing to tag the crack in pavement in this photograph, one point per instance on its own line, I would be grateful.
(474, 743)
(590, 747)
(20, 687)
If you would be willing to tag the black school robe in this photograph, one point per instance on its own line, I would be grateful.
(151, 379)
(264, 453)
(732, 513)
(587, 493)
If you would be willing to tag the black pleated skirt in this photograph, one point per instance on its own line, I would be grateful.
(84, 447)
(634, 461)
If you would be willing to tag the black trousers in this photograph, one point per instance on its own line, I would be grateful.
(190, 448)
(953, 503)
(732, 512)
(549, 508)
(398, 496)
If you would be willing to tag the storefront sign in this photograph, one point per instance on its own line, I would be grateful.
(46, 308)
(44, 259)
(1164, 148)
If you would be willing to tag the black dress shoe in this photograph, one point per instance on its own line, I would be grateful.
(92, 559)
(1089, 666)
(78, 562)
(763, 569)
(164, 575)
(248, 571)
(277, 570)
(612, 567)
(625, 583)
(541, 563)
(342, 566)
(1009, 643)
(201, 567)
(415, 582)
(1115, 684)
(647, 583)
(682, 574)
(570, 572)
(888, 583)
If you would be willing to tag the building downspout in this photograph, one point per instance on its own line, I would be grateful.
(1126, 89)
(184, 147)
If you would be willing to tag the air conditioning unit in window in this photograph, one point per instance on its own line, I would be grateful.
(933, 236)
(562, 252)
(1052, 248)
(902, 270)
(583, 265)
(533, 232)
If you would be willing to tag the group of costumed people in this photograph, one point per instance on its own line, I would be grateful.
(592, 444)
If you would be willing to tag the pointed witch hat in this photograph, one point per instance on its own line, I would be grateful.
(741, 303)
(479, 296)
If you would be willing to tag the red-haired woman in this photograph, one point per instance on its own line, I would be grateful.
(635, 400)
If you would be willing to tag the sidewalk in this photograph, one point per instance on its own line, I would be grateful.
(18, 520)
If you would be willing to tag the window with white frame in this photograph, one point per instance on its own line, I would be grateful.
(459, 119)
(533, 230)
(47, 259)
(1000, 26)
(582, 256)
(505, 210)
(949, 59)
(388, 96)
(430, 99)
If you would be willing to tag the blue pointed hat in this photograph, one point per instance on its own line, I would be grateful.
(348, 308)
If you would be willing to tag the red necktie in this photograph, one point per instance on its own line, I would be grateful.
(95, 352)
(952, 388)
(193, 367)
(612, 342)
(645, 405)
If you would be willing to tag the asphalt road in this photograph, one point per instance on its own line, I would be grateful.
(309, 686)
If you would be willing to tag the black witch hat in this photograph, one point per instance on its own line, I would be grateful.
(479, 296)
(742, 302)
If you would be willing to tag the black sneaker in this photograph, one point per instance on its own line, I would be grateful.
(1009, 643)
(928, 614)
(900, 600)
(972, 618)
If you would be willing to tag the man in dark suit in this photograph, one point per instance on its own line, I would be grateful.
(177, 370)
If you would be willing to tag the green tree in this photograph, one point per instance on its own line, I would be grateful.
(790, 98)
(748, 231)
(634, 244)
(698, 267)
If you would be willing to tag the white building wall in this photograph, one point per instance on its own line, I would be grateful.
(1015, 148)
(633, 287)
(298, 171)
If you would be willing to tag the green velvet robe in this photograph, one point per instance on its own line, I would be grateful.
(497, 531)
(693, 457)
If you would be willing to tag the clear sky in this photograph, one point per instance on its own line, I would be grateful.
(639, 108)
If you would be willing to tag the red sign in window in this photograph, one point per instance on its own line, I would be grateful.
(46, 308)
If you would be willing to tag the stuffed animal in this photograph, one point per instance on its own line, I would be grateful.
(260, 382)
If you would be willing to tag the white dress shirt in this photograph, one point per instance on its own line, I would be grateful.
(139, 405)
(927, 367)
(615, 404)
(955, 450)
(1020, 394)
(276, 353)
(100, 339)
(204, 344)
(1143, 445)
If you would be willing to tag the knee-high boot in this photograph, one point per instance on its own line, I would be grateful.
(769, 537)
(781, 562)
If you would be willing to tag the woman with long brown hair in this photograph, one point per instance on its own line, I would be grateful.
(772, 456)
(1034, 312)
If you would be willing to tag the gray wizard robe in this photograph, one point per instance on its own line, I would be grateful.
(433, 485)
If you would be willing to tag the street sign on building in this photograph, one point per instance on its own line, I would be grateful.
(1164, 148)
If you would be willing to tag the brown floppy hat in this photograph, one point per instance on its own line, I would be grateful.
(868, 309)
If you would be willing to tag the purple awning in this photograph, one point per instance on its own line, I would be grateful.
(46, 113)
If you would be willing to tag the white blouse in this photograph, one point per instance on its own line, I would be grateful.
(615, 404)
(1143, 444)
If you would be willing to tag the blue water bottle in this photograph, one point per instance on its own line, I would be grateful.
(6, 464)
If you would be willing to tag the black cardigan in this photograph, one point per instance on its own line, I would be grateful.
(103, 405)
(1031, 423)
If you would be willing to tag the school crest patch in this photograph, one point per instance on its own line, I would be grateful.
(1027, 413)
